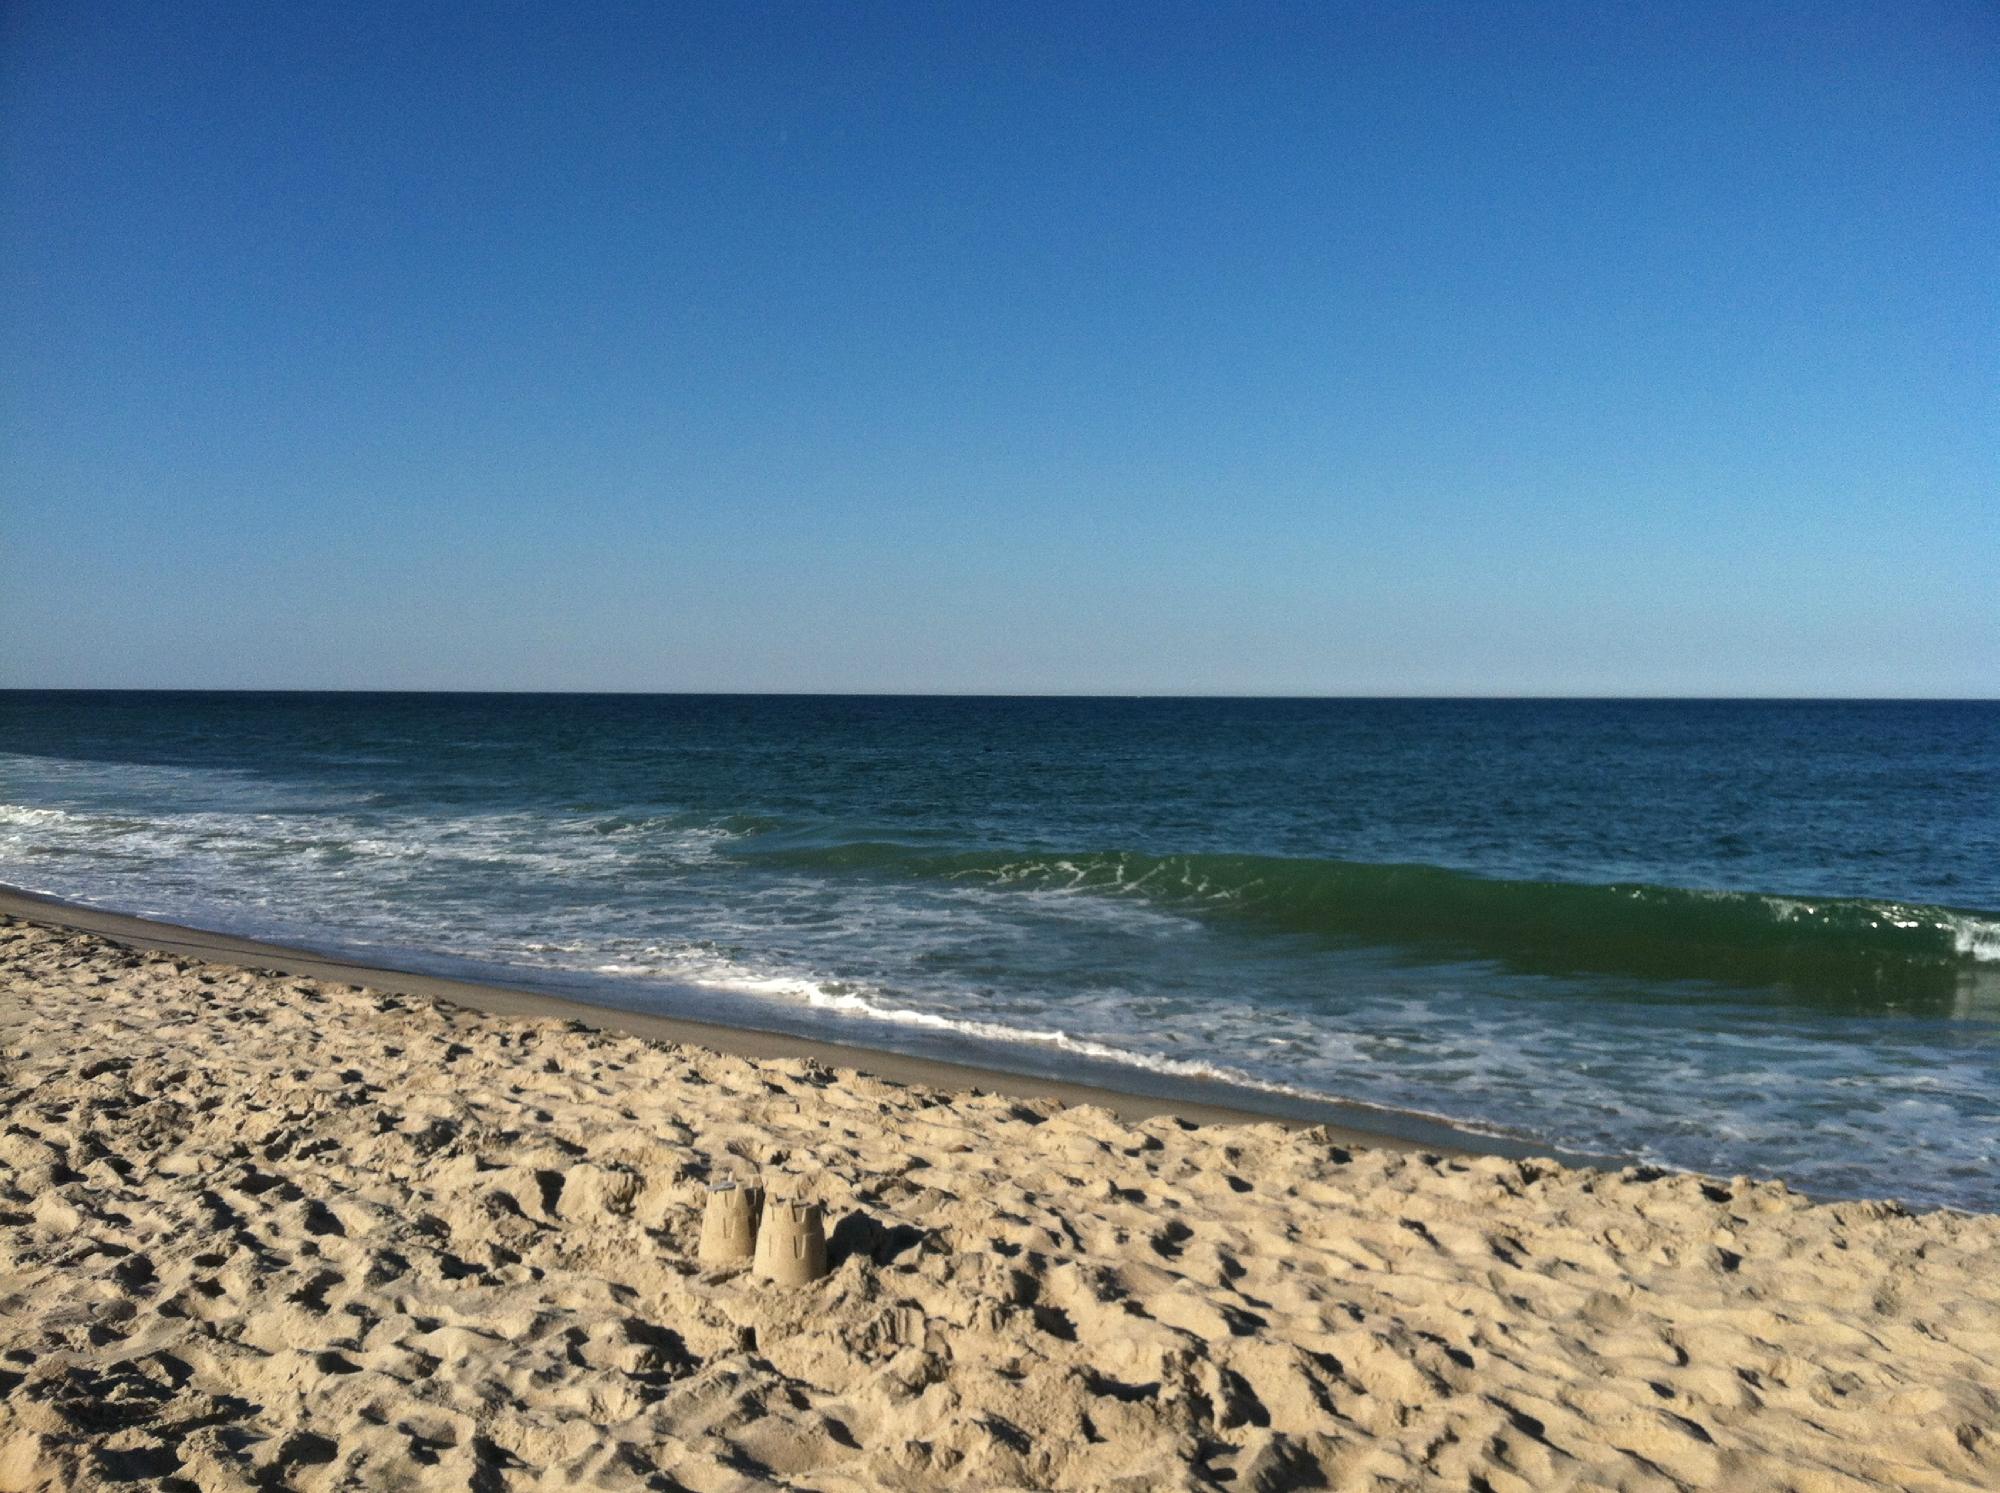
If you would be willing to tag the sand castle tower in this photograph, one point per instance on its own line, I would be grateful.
(729, 1225)
(791, 1243)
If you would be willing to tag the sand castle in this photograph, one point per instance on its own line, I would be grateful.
(783, 1238)
(729, 1224)
(791, 1243)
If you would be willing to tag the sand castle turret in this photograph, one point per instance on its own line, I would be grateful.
(791, 1243)
(729, 1225)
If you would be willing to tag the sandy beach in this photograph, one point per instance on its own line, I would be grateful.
(263, 1230)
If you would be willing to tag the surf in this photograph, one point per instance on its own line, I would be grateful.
(1869, 952)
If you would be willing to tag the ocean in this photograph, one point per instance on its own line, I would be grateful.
(1732, 936)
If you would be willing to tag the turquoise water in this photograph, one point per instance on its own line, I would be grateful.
(1733, 936)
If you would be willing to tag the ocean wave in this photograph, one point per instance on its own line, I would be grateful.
(1835, 946)
(553, 845)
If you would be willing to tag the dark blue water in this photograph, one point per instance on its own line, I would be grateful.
(1735, 936)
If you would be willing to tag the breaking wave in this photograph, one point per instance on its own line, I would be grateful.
(1830, 946)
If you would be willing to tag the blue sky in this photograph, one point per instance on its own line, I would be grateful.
(1339, 348)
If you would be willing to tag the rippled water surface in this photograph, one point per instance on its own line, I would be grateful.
(1735, 936)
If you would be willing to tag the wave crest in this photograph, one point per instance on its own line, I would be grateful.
(1837, 947)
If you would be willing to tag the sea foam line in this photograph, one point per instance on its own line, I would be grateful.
(724, 975)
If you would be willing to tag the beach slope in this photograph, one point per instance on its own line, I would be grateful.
(262, 1230)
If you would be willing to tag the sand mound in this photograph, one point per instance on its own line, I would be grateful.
(259, 1232)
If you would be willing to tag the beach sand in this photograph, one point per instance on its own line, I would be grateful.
(1360, 1124)
(264, 1230)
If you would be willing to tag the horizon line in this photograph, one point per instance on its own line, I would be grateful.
(809, 694)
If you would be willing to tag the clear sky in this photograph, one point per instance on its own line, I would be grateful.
(1337, 348)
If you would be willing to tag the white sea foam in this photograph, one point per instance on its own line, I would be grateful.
(217, 839)
(844, 998)
(1064, 876)
(1976, 939)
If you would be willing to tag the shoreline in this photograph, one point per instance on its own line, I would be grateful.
(1352, 1124)
(273, 1230)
